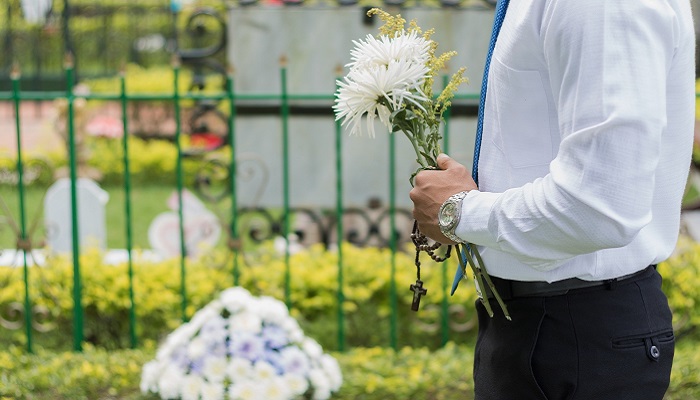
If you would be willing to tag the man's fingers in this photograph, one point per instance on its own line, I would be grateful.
(445, 162)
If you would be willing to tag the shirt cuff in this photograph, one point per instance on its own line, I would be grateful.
(473, 224)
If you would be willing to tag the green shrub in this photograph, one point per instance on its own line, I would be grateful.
(314, 283)
(681, 275)
(152, 80)
(368, 373)
(313, 289)
(685, 378)
(93, 374)
(149, 161)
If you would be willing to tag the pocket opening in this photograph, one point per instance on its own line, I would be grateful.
(627, 342)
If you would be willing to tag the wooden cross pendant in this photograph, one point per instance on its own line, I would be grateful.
(418, 291)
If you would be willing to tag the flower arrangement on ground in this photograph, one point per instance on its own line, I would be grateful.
(391, 77)
(241, 347)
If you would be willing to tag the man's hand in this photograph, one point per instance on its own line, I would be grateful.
(432, 188)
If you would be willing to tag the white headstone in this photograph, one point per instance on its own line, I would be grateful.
(36, 11)
(91, 215)
(201, 228)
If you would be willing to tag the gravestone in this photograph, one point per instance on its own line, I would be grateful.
(91, 215)
(201, 227)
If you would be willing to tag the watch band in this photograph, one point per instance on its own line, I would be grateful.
(455, 202)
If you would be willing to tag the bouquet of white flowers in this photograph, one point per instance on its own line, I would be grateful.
(391, 77)
(244, 348)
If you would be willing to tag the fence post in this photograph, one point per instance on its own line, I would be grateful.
(285, 179)
(445, 311)
(339, 226)
(77, 284)
(127, 208)
(235, 243)
(392, 241)
(180, 208)
(23, 242)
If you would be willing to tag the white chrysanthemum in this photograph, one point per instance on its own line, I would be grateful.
(320, 383)
(239, 369)
(263, 371)
(215, 326)
(363, 90)
(318, 378)
(246, 345)
(203, 315)
(295, 361)
(312, 348)
(321, 393)
(297, 384)
(169, 383)
(235, 299)
(215, 369)
(192, 387)
(382, 50)
(272, 310)
(246, 390)
(149, 377)
(179, 338)
(245, 321)
(332, 368)
(294, 332)
(275, 389)
(213, 391)
(197, 348)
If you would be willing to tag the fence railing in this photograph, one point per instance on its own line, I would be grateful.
(16, 96)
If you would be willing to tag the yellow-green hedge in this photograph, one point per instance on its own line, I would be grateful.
(681, 274)
(149, 161)
(368, 373)
(314, 284)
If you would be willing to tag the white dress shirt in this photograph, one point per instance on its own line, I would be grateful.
(587, 140)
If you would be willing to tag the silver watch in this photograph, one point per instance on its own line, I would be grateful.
(449, 215)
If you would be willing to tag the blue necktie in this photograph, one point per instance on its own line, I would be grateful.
(499, 15)
(501, 7)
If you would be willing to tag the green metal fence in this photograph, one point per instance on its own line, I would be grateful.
(17, 96)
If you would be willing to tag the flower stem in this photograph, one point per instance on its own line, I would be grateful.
(487, 277)
(420, 158)
(481, 276)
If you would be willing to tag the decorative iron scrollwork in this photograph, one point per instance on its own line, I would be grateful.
(207, 125)
(13, 317)
(198, 30)
(311, 226)
(36, 172)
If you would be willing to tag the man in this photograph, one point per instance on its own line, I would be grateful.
(587, 138)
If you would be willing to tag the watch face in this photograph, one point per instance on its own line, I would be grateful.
(448, 214)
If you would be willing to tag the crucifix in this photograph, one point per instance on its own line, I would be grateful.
(418, 291)
(421, 243)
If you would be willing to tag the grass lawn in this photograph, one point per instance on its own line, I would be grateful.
(147, 203)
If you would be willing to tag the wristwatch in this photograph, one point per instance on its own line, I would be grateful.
(449, 215)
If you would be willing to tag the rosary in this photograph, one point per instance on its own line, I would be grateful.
(481, 277)
(421, 243)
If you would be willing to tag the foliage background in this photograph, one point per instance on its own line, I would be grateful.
(372, 370)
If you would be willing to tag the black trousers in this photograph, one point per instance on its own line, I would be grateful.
(605, 343)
